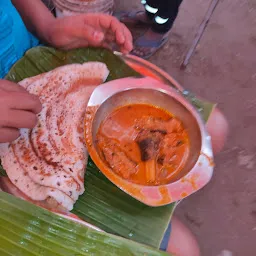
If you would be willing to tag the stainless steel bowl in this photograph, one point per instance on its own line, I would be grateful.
(199, 166)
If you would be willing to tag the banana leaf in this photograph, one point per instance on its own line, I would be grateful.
(43, 59)
(103, 204)
(2, 171)
(28, 230)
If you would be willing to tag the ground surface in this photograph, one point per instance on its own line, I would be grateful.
(223, 214)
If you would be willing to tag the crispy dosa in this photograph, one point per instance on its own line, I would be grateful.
(47, 163)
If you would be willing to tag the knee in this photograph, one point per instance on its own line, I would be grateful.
(217, 126)
(182, 242)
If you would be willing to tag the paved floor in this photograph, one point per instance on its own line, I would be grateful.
(223, 214)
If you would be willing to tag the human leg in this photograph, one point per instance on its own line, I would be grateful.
(135, 17)
(163, 14)
(182, 242)
(160, 9)
(217, 127)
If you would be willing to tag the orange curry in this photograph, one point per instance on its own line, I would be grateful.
(143, 144)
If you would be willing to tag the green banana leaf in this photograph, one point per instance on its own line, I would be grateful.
(107, 207)
(2, 171)
(43, 59)
(28, 230)
(103, 204)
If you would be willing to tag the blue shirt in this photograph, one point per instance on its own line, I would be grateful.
(15, 39)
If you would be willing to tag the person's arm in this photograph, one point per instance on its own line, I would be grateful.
(36, 17)
(98, 30)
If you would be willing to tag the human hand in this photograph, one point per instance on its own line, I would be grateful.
(18, 109)
(97, 30)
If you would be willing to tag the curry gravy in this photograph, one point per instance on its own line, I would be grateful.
(143, 144)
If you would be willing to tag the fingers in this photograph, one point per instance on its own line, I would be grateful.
(127, 46)
(16, 97)
(120, 32)
(8, 134)
(10, 86)
(92, 36)
(18, 109)
(112, 24)
(79, 27)
(21, 119)
(109, 37)
(96, 30)
(75, 28)
(118, 29)
(24, 101)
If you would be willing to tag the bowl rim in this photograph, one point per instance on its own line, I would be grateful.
(104, 92)
(135, 62)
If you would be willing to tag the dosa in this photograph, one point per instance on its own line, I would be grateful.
(47, 163)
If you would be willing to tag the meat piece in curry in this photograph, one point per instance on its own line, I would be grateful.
(148, 142)
(117, 158)
(143, 144)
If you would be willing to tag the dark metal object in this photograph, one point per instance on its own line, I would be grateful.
(200, 32)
